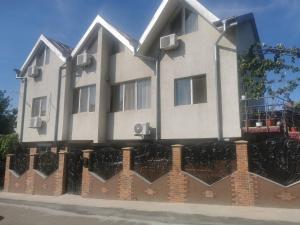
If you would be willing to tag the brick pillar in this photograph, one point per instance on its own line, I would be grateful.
(31, 172)
(60, 180)
(86, 176)
(7, 172)
(177, 180)
(243, 186)
(126, 177)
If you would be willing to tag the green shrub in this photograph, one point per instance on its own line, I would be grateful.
(9, 144)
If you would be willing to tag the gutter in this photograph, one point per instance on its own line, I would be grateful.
(23, 79)
(226, 24)
(157, 74)
(58, 100)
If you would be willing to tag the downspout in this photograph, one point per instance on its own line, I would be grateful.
(218, 79)
(23, 106)
(58, 100)
(157, 74)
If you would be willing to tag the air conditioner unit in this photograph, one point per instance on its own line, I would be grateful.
(36, 122)
(84, 59)
(169, 42)
(33, 71)
(141, 129)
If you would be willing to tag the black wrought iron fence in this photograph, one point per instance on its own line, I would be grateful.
(106, 162)
(2, 172)
(277, 159)
(20, 163)
(152, 160)
(46, 162)
(210, 162)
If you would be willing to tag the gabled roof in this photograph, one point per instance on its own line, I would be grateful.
(61, 50)
(163, 13)
(123, 38)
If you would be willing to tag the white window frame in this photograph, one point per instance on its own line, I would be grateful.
(191, 88)
(88, 98)
(135, 94)
(40, 106)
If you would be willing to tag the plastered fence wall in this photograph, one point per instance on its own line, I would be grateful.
(240, 188)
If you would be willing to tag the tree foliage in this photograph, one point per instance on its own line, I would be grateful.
(9, 144)
(8, 115)
(270, 70)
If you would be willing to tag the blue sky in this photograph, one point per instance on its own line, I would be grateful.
(22, 22)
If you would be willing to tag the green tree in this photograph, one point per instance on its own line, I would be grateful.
(9, 144)
(271, 70)
(8, 115)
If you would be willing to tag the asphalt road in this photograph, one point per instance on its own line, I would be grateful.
(35, 213)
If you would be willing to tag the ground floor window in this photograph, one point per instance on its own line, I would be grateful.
(191, 90)
(131, 95)
(84, 99)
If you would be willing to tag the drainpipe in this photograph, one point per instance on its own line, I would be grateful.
(23, 79)
(226, 26)
(157, 74)
(58, 100)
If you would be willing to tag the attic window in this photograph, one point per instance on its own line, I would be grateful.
(186, 21)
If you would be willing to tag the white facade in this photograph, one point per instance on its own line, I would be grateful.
(79, 99)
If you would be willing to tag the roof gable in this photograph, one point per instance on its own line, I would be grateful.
(124, 39)
(162, 14)
(61, 50)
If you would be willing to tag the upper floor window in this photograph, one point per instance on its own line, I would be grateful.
(43, 56)
(131, 95)
(84, 99)
(186, 21)
(39, 107)
(190, 90)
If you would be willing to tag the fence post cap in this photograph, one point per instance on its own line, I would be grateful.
(177, 145)
(127, 148)
(63, 152)
(87, 151)
(241, 142)
(9, 155)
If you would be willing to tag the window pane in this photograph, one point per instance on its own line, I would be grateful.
(40, 57)
(43, 106)
(183, 92)
(47, 56)
(191, 21)
(92, 99)
(130, 96)
(76, 100)
(117, 98)
(83, 99)
(143, 94)
(176, 24)
(35, 110)
(199, 89)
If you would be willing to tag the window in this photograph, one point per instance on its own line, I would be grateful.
(84, 99)
(39, 107)
(131, 95)
(191, 21)
(144, 94)
(190, 90)
(186, 21)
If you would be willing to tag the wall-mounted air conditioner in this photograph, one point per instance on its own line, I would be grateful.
(169, 42)
(84, 59)
(35, 122)
(141, 129)
(33, 71)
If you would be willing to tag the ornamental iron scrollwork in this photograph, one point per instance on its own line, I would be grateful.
(277, 159)
(46, 162)
(152, 161)
(106, 162)
(210, 162)
(19, 163)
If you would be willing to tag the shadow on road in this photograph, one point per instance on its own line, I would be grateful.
(1, 218)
